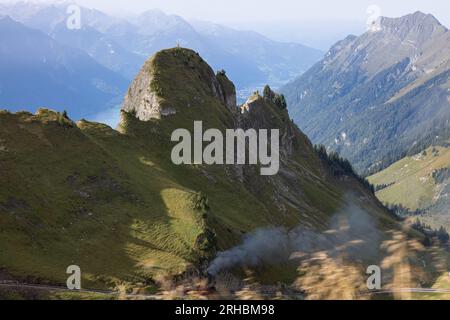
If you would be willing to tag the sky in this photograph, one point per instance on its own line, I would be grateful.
(242, 11)
(318, 23)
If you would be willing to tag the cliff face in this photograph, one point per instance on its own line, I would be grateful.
(147, 98)
(141, 100)
(305, 191)
(228, 90)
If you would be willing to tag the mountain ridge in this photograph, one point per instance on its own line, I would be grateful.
(399, 95)
(117, 206)
(26, 78)
(134, 41)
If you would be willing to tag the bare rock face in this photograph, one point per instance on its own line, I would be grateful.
(141, 100)
(159, 88)
(417, 28)
(228, 90)
(260, 113)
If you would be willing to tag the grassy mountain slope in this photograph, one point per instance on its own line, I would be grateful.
(419, 183)
(113, 202)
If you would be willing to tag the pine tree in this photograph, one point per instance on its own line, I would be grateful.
(283, 103)
(268, 93)
(442, 235)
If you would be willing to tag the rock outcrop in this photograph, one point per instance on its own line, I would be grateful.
(228, 90)
(142, 100)
(147, 99)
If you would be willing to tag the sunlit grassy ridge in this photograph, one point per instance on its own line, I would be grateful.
(75, 203)
(410, 182)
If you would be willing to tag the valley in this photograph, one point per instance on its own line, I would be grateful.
(374, 108)
(115, 48)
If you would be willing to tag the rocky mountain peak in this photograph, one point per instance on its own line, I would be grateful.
(413, 19)
(156, 90)
(155, 21)
(6, 20)
(418, 25)
(385, 78)
(417, 38)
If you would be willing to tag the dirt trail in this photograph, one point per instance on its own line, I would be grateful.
(12, 284)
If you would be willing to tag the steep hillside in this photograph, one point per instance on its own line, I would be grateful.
(114, 203)
(36, 71)
(420, 184)
(375, 96)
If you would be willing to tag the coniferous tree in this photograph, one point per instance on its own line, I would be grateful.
(442, 235)
(268, 93)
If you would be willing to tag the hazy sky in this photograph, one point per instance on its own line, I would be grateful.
(314, 22)
(241, 11)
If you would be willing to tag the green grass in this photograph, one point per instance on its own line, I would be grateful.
(83, 205)
(410, 183)
(411, 179)
(113, 203)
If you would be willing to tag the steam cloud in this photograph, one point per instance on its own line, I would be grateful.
(351, 229)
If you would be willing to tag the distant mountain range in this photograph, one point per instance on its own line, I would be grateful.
(36, 71)
(379, 96)
(122, 46)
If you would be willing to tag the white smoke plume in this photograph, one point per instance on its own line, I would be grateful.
(352, 229)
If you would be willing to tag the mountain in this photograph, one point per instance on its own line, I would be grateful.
(419, 185)
(251, 59)
(155, 22)
(92, 36)
(248, 57)
(104, 50)
(40, 16)
(45, 16)
(113, 202)
(376, 96)
(280, 61)
(37, 71)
